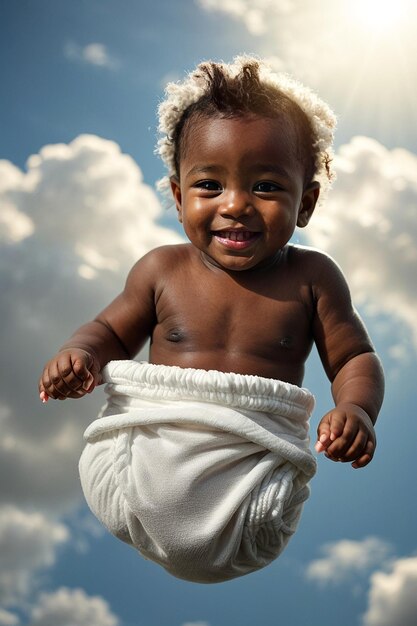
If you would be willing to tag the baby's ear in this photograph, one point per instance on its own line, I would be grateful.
(176, 192)
(308, 204)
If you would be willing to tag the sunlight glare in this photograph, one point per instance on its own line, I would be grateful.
(380, 15)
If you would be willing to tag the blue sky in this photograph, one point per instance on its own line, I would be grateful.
(80, 83)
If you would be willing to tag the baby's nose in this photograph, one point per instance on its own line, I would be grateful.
(236, 203)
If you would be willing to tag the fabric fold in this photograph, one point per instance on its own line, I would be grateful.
(203, 472)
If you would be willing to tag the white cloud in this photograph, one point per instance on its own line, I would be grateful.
(368, 224)
(97, 54)
(91, 215)
(28, 544)
(8, 619)
(14, 225)
(92, 54)
(89, 212)
(344, 558)
(253, 13)
(392, 596)
(87, 191)
(72, 607)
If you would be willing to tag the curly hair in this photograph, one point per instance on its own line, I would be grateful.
(246, 86)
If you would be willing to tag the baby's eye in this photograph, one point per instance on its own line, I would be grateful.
(208, 185)
(266, 187)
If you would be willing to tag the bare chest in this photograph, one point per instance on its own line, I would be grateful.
(231, 318)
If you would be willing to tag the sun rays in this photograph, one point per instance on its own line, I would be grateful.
(380, 16)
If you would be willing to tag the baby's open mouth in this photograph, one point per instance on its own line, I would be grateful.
(236, 235)
(236, 239)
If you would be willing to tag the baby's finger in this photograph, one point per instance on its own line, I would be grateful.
(340, 446)
(86, 369)
(337, 423)
(80, 376)
(89, 384)
(76, 376)
(80, 366)
(357, 447)
(59, 381)
(58, 392)
(367, 456)
(320, 445)
(64, 380)
(323, 435)
(46, 385)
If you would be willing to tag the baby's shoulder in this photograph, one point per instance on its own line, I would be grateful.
(321, 272)
(161, 264)
(166, 257)
(311, 261)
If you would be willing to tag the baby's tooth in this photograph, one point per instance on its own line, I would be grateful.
(240, 235)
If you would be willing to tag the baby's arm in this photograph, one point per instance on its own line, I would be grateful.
(118, 332)
(346, 433)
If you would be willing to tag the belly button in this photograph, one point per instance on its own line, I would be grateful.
(175, 336)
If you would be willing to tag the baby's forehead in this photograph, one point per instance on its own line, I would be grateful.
(202, 118)
(261, 132)
(283, 123)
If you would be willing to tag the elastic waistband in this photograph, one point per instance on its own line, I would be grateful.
(163, 382)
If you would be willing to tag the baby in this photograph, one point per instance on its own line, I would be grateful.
(200, 458)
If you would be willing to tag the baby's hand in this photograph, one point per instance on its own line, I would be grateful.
(347, 434)
(70, 374)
